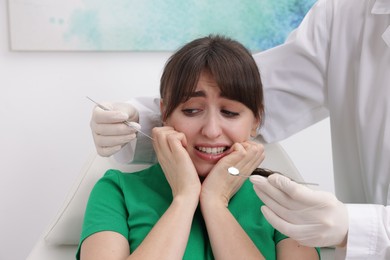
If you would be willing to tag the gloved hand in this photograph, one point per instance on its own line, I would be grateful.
(109, 132)
(313, 218)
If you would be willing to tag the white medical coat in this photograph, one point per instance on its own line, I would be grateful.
(336, 64)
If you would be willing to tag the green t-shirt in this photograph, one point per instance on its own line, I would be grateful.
(131, 203)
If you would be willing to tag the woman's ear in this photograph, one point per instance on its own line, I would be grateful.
(161, 105)
(255, 127)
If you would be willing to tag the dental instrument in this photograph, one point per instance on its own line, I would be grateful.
(265, 173)
(128, 123)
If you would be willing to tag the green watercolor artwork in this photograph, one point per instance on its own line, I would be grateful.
(149, 25)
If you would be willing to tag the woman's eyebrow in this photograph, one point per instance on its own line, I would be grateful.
(199, 93)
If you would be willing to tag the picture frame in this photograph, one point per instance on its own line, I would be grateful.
(148, 25)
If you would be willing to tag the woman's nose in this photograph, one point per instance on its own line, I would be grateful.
(211, 127)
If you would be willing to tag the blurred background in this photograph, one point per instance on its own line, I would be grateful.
(44, 128)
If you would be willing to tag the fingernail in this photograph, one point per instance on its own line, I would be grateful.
(135, 125)
(257, 179)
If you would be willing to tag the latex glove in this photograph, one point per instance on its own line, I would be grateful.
(313, 218)
(109, 132)
(219, 184)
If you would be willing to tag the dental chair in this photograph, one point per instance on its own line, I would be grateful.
(60, 240)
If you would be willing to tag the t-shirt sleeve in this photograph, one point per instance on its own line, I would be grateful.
(106, 210)
(279, 236)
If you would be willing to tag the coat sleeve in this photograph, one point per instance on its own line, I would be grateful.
(369, 232)
(141, 149)
(294, 77)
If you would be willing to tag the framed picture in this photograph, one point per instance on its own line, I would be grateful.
(148, 25)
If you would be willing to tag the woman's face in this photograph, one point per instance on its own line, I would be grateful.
(211, 124)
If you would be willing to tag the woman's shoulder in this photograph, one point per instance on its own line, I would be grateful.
(115, 173)
(152, 174)
(139, 185)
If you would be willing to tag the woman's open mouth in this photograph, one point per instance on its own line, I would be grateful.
(212, 150)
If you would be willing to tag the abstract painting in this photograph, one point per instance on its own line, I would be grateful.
(148, 25)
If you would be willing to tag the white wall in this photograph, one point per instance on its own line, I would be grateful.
(45, 136)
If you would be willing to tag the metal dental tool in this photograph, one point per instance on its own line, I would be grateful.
(128, 123)
(265, 173)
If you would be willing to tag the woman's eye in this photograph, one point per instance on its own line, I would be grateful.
(228, 113)
(190, 111)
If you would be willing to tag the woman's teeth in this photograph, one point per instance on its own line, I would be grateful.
(212, 150)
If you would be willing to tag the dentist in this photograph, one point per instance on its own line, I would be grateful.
(336, 64)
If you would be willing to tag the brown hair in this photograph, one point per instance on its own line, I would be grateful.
(228, 61)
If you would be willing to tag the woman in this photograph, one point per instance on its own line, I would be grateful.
(188, 206)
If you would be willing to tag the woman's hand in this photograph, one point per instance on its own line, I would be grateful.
(219, 186)
(177, 165)
(227, 237)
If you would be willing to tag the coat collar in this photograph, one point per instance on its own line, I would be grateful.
(381, 7)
